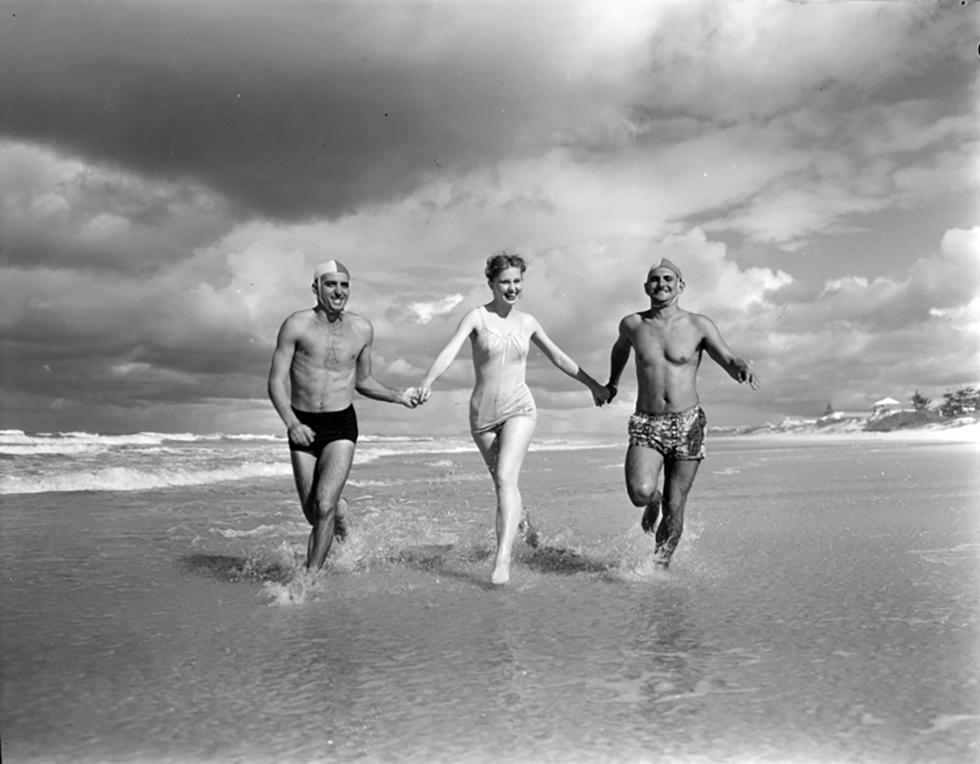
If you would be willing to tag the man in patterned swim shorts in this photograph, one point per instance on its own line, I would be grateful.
(667, 430)
(676, 435)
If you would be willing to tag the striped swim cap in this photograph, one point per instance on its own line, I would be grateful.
(330, 266)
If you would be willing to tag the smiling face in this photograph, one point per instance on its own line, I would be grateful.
(663, 285)
(332, 291)
(507, 285)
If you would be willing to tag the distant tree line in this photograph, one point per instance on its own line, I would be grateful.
(955, 403)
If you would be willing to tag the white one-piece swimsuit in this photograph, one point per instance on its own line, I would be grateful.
(500, 362)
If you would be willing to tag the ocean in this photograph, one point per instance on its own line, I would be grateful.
(822, 606)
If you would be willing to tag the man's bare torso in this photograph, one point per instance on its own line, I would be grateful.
(323, 371)
(668, 353)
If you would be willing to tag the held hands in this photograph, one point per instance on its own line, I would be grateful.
(415, 396)
(411, 398)
(600, 394)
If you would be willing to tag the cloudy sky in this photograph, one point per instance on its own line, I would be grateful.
(170, 173)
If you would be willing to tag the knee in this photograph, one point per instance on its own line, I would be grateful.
(674, 501)
(505, 482)
(643, 493)
(324, 509)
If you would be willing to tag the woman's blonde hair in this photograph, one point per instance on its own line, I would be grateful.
(501, 261)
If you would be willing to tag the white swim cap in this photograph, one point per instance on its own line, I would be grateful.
(665, 263)
(330, 266)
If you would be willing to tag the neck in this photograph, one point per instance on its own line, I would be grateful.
(501, 308)
(325, 312)
(663, 310)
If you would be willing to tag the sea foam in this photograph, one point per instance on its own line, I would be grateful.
(130, 479)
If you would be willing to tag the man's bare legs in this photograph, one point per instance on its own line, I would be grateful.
(319, 483)
(503, 452)
(679, 476)
(642, 475)
(643, 467)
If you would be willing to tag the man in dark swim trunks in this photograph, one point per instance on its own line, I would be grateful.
(667, 430)
(322, 355)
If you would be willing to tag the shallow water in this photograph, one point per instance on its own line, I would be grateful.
(822, 606)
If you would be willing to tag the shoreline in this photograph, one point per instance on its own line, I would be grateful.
(965, 433)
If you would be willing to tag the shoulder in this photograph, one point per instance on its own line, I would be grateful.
(630, 322)
(472, 318)
(300, 316)
(358, 323)
(703, 327)
(699, 320)
(529, 321)
(296, 323)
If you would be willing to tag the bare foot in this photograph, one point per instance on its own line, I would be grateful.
(662, 554)
(528, 532)
(650, 513)
(340, 520)
(501, 573)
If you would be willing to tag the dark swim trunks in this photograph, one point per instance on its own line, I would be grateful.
(675, 435)
(327, 427)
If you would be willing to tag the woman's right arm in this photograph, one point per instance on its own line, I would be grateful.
(448, 354)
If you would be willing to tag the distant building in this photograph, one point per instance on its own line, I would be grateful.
(840, 416)
(884, 407)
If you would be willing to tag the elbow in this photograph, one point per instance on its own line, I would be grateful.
(567, 365)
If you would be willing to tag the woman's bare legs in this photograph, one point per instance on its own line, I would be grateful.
(503, 451)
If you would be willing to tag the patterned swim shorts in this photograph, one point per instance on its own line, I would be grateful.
(676, 435)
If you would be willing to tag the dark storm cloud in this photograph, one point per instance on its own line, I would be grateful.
(141, 252)
(291, 110)
(135, 374)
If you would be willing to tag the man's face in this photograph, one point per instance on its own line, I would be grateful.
(332, 291)
(663, 285)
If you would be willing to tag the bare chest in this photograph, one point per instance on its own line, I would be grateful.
(673, 344)
(330, 347)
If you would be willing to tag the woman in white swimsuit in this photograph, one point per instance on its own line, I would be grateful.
(502, 410)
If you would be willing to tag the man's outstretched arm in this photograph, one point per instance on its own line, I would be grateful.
(369, 387)
(736, 368)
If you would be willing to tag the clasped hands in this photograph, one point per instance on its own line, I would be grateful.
(413, 397)
(601, 395)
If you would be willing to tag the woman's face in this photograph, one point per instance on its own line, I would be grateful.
(507, 285)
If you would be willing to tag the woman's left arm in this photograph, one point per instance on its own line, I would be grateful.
(563, 361)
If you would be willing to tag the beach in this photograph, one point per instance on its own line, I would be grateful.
(822, 606)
